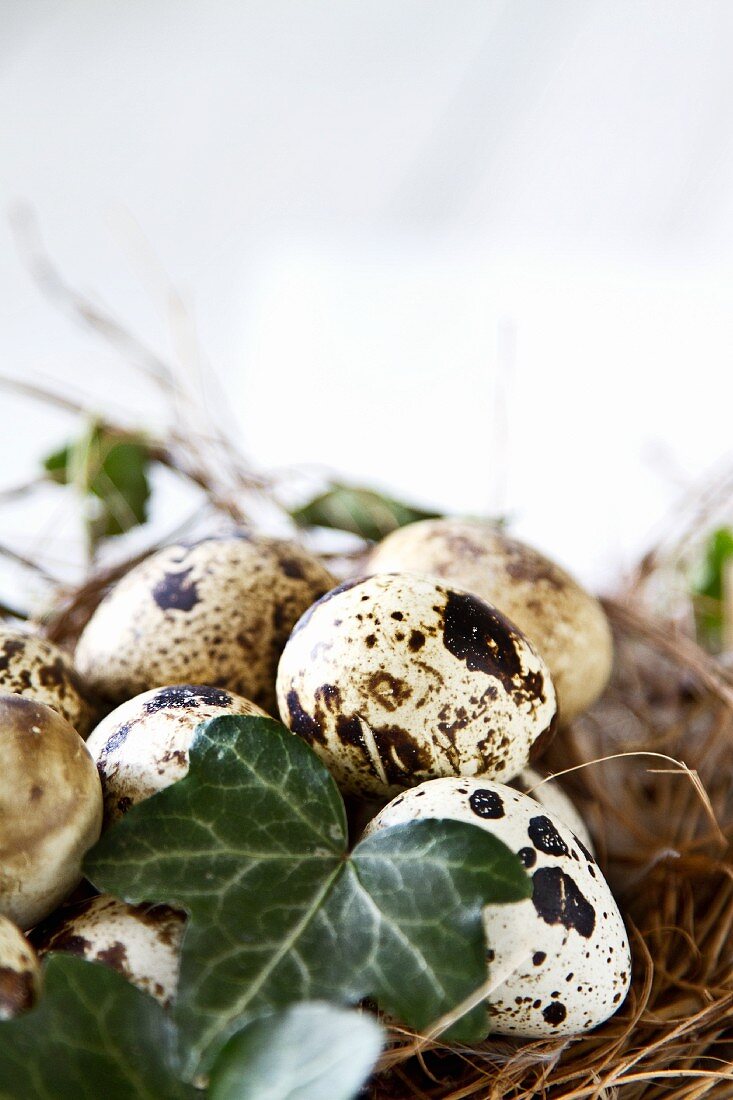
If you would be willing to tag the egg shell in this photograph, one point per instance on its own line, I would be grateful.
(549, 793)
(50, 808)
(214, 612)
(546, 791)
(142, 746)
(566, 624)
(562, 957)
(141, 942)
(37, 669)
(394, 679)
(20, 974)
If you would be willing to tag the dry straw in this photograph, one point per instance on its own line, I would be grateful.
(662, 824)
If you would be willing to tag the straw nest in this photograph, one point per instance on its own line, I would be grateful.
(650, 769)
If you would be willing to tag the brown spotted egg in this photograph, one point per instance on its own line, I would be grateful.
(33, 667)
(561, 958)
(20, 974)
(50, 809)
(549, 793)
(141, 942)
(395, 678)
(216, 612)
(567, 625)
(142, 746)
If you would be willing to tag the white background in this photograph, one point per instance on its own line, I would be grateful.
(479, 253)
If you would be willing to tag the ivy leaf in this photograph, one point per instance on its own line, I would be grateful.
(92, 1034)
(306, 1052)
(253, 844)
(362, 512)
(110, 470)
(710, 588)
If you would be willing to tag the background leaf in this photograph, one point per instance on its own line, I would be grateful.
(92, 1034)
(308, 1052)
(253, 843)
(710, 588)
(110, 470)
(361, 511)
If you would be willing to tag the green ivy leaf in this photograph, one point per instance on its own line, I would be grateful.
(307, 1052)
(253, 843)
(92, 1034)
(363, 512)
(709, 588)
(110, 471)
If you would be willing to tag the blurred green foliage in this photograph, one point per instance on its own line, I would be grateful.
(111, 473)
(360, 511)
(709, 589)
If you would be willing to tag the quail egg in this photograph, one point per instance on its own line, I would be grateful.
(20, 974)
(561, 957)
(142, 942)
(33, 667)
(394, 679)
(142, 746)
(50, 808)
(549, 793)
(565, 623)
(216, 612)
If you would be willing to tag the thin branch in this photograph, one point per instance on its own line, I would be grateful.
(15, 492)
(159, 450)
(29, 563)
(78, 305)
(8, 612)
(221, 471)
(41, 393)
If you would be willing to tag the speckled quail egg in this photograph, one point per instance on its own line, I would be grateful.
(395, 678)
(50, 808)
(142, 942)
(561, 958)
(142, 746)
(549, 793)
(565, 623)
(33, 667)
(20, 974)
(215, 612)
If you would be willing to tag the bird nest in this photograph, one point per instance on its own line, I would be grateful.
(649, 767)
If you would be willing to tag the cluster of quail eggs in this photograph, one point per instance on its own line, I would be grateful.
(427, 685)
